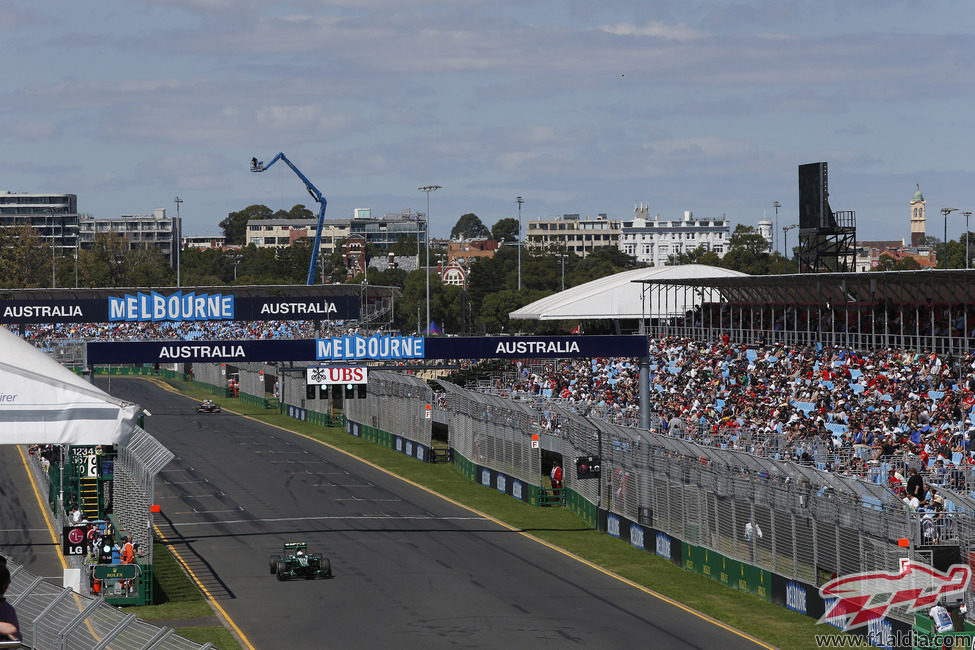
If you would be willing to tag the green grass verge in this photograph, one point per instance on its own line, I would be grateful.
(774, 625)
(178, 598)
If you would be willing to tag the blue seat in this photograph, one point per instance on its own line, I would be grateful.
(805, 407)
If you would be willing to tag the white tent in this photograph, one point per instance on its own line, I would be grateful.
(624, 295)
(43, 402)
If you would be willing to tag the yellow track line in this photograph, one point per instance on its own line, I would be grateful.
(44, 508)
(206, 592)
(569, 554)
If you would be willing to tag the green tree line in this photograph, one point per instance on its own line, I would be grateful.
(483, 306)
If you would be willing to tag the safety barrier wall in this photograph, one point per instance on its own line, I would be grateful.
(55, 618)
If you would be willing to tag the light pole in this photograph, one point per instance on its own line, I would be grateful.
(563, 256)
(785, 238)
(54, 282)
(426, 235)
(179, 243)
(776, 205)
(967, 214)
(519, 201)
(945, 212)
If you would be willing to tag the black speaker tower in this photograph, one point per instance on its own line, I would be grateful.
(827, 239)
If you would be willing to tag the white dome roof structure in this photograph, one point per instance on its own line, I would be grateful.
(629, 294)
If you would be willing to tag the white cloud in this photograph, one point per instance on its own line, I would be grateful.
(655, 29)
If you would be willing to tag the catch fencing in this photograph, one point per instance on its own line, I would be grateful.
(397, 403)
(139, 460)
(55, 618)
(794, 520)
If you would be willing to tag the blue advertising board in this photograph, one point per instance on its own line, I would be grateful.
(179, 306)
(377, 347)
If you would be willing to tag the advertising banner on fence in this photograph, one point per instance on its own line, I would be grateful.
(179, 306)
(360, 348)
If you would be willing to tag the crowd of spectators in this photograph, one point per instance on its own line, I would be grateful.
(46, 335)
(842, 410)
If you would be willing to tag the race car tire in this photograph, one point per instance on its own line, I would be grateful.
(327, 568)
(282, 570)
(274, 563)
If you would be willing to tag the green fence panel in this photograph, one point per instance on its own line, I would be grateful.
(466, 467)
(693, 558)
(754, 580)
(582, 507)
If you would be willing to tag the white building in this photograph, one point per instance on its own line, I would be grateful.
(654, 241)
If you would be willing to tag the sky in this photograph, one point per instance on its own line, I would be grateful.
(576, 106)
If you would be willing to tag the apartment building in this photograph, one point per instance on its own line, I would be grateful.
(140, 231)
(571, 234)
(53, 216)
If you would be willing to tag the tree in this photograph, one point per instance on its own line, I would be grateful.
(469, 226)
(505, 230)
(406, 246)
(889, 263)
(603, 261)
(235, 225)
(23, 258)
(699, 255)
(747, 252)
(104, 265)
(148, 267)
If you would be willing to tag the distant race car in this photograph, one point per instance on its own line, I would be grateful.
(208, 407)
(298, 563)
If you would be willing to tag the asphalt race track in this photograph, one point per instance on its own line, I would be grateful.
(411, 569)
(24, 534)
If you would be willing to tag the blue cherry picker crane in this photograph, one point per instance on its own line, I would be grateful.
(259, 166)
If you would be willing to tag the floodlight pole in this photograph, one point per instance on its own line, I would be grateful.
(428, 189)
(519, 201)
(945, 212)
(775, 235)
(179, 241)
(967, 214)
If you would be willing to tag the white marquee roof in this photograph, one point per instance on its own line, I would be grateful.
(42, 402)
(622, 296)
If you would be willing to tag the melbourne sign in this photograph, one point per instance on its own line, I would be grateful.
(179, 306)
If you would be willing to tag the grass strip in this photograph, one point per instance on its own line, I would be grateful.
(772, 624)
(178, 598)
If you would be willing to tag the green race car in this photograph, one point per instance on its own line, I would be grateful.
(296, 562)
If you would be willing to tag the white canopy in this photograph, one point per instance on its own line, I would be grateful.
(623, 295)
(42, 402)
